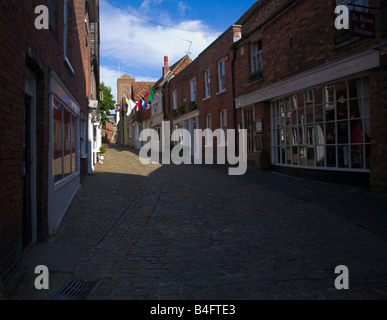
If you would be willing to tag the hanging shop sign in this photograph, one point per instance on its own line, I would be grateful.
(362, 24)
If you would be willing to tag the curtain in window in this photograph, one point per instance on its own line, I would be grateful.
(364, 104)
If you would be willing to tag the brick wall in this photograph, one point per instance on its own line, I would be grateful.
(298, 36)
(292, 45)
(208, 59)
(22, 45)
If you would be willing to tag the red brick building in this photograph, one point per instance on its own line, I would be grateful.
(48, 77)
(201, 95)
(314, 96)
(108, 131)
(154, 113)
(129, 126)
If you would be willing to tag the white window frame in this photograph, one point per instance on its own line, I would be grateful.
(313, 135)
(256, 56)
(155, 108)
(208, 126)
(223, 125)
(193, 90)
(222, 75)
(207, 84)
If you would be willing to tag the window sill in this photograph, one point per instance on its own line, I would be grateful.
(220, 92)
(207, 98)
(65, 181)
(255, 81)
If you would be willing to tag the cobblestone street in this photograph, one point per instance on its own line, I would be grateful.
(193, 232)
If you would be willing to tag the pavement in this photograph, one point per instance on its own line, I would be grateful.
(192, 232)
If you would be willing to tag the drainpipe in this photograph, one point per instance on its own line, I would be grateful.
(237, 35)
(234, 53)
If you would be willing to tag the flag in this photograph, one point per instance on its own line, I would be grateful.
(131, 105)
(151, 94)
(143, 104)
(139, 105)
(126, 101)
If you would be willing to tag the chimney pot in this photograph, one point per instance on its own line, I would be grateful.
(165, 61)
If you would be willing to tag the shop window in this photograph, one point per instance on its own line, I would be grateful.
(65, 145)
(328, 127)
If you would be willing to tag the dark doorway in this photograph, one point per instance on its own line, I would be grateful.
(27, 174)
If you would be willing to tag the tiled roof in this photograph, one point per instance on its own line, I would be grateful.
(172, 72)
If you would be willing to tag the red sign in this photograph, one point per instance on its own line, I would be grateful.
(362, 24)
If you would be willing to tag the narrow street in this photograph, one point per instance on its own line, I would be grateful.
(193, 232)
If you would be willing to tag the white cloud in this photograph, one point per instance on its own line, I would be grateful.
(182, 8)
(140, 46)
(147, 4)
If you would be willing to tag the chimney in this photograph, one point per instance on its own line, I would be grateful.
(166, 68)
(237, 32)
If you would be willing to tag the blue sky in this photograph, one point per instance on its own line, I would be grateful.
(136, 35)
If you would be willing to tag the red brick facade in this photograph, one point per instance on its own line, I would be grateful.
(41, 51)
(217, 100)
(298, 37)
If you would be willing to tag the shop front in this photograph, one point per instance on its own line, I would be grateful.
(320, 121)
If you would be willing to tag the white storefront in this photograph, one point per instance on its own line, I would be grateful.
(64, 155)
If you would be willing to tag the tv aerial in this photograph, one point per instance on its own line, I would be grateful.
(190, 44)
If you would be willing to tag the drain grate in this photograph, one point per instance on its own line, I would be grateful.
(77, 290)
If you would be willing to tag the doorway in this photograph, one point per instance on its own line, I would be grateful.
(29, 161)
(248, 117)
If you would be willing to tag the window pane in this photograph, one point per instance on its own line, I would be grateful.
(302, 156)
(309, 115)
(67, 143)
(331, 156)
(320, 156)
(357, 161)
(331, 132)
(354, 108)
(342, 132)
(318, 96)
(310, 156)
(295, 155)
(58, 174)
(73, 145)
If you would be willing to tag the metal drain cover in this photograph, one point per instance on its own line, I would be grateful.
(77, 290)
